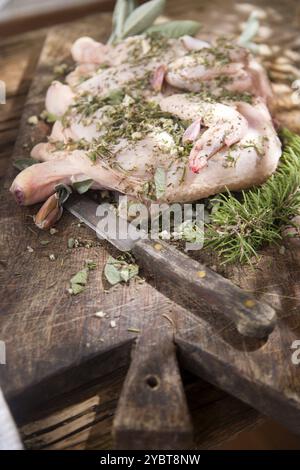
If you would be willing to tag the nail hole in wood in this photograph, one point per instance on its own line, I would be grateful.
(152, 381)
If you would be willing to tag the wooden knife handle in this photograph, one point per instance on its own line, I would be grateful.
(251, 317)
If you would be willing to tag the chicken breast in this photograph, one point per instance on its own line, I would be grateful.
(157, 119)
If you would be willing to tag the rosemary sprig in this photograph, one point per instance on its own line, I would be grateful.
(242, 223)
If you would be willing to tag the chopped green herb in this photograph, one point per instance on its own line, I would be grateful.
(60, 69)
(90, 264)
(190, 232)
(142, 17)
(83, 186)
(76, 289)
(241, 224)
(160, 182)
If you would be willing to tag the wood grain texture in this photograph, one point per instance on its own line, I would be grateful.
(54, 341)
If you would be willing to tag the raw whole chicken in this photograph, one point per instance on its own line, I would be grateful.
(162, 119)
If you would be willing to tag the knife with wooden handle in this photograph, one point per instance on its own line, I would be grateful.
(251, 317)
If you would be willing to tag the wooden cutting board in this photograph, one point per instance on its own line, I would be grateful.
(55, 342)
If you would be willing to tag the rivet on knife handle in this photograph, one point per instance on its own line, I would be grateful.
(251, 317)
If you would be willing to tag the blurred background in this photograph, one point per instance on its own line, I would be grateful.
(17, 16)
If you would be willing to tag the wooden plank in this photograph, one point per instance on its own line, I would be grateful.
(79, 420)
(43, 304)
(19, 16)
(204, 284)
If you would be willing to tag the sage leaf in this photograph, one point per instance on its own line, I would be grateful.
(133, 270)
(143, 17)
(160, 182)
(71, 243)
(83, 186)
(191, 232)
(90, 264)
(176, 29)
(23, 163)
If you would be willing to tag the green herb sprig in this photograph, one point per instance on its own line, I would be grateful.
(241, 224)
(130, 20)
